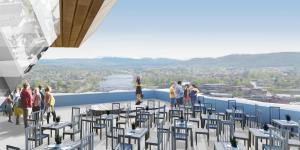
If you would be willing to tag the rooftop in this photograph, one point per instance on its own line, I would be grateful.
(9, 132)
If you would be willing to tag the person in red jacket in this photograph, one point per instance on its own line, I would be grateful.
(26, 101)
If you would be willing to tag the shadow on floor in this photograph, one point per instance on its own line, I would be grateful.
(8, 129)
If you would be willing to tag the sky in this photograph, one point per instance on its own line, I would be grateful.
(192, 28)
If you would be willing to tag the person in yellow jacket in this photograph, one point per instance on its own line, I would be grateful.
(18, 111)
(49, 104)
(172, 94)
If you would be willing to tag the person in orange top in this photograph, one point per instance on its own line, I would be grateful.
(49, 104)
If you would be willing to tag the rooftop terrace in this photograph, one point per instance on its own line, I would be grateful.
(10, 133)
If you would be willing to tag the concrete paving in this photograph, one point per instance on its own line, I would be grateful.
(12, 134)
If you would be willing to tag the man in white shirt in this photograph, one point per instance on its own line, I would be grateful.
(179, 93)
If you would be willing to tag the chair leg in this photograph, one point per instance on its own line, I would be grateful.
(196, 138)
(100, 134)
(207, 139)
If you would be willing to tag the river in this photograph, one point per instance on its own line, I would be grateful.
(117, 82)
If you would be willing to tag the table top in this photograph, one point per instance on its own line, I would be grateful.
(211, 117)
(176, 109)
(56, 126)
(285, 123)
(229, 111)
(109, 117)
(66, 145)
(182, 124)
(223, 146)
(198, 105)
(137, 133)
(259, 133)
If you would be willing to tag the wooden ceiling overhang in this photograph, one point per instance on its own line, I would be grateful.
(79, 19)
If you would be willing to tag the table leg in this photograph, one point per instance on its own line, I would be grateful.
(56, 132)
(256, 143)
(249, 140)
(192, 140)
(169, 116)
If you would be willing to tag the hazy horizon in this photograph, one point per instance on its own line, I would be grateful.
(197, 28)
(167, 57)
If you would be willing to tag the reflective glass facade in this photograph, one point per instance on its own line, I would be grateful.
(27, 29)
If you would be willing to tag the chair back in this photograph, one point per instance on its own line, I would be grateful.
(208, 107)
(32, 133)
(274, 113)
(36, 117)
(98, 121)
(180, 129)
(87, 109)
(118, 139)
(175, 113)
(143, 119)
(278, 139)
(212, 121)
(116, 108)
(109, 125)
(259, 121)
(76, 123)
(160, 134)
(85, 127)
(87, 142)
(238, 112)
(151, 104)
(162, 111)
(75, 112)
(231, 104)
(211, 105)
(225, 130)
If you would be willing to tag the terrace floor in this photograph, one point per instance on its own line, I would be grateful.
(11, 134)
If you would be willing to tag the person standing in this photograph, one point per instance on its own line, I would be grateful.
(9, 107)
(194, 93)
(16, 95)
(26, 100)
(186, 94)
(36, 100)
(49, 104)
(42, 99)
(138, 92)
(18, 111)
(172, 94)
(179, 93)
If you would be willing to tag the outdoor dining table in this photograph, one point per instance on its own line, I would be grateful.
(55, 126)
(137, 134)
(285, 124)
(257, 134)
(223, 146)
